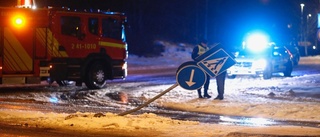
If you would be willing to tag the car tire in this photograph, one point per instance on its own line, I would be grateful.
(96, 76)
(288, 71)
(296, 60)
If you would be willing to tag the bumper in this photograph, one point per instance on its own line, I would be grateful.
(244, 71)
(120, 70)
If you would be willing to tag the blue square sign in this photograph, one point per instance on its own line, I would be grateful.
(215, 61)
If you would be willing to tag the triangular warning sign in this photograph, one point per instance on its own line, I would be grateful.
(215, 61)
(216, 64)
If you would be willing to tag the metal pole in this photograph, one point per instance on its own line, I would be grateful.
(148, 102)
(308, 28)
(306, 36)
(302, 32)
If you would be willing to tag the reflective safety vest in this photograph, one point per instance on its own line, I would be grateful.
(202, 50)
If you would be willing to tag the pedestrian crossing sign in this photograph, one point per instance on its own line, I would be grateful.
(215, 61)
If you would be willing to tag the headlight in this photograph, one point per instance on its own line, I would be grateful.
(259, 64)
(124, 66)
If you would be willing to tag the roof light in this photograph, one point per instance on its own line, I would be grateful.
(26, 4)
(257, 41)
(18, 21)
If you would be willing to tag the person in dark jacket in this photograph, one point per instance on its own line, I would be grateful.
(201, 48)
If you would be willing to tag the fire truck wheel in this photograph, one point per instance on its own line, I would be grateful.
(96, 76)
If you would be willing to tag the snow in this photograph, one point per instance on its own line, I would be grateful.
(291, 98)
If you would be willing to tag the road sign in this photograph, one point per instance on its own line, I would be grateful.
(215, 61)
(190, 77)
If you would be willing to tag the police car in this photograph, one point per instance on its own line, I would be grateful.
(262, 62)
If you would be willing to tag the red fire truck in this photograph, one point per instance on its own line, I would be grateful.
(58, 44)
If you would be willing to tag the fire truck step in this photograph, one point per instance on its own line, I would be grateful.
(21, 80)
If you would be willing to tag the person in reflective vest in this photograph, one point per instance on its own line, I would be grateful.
(201, 48)
(220, 79)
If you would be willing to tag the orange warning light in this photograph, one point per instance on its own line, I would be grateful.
(18, 21)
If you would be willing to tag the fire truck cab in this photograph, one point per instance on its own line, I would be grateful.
(57, 44)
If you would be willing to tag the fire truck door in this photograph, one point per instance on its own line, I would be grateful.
(18, 51)
(43, 38)
(1, 49)
(72, 38)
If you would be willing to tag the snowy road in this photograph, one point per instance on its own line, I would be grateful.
(143, 84)
(79, 99)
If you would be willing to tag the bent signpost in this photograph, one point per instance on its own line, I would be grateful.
(191, 75)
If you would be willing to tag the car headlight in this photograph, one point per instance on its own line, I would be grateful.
(259, 64)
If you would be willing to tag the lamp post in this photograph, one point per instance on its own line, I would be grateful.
(306, 35)
(302, 35)
(308, 17)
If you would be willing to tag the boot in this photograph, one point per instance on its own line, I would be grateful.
(199, 93)
(219, 97)
(206, 95)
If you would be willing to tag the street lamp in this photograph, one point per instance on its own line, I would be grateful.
(301, 29)
(307, 35)
(307, 23)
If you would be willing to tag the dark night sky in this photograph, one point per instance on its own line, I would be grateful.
(185, 20)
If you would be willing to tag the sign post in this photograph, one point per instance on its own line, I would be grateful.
(213, 62)
(216, 63)
(192, 75)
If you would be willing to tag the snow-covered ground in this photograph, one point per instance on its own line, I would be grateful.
(293, 98)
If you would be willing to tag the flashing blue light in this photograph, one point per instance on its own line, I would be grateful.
(256, 42)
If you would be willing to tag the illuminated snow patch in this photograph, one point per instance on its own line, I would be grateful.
(248, 121)
(53, 100)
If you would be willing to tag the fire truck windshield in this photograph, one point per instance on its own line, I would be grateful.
(112, 28)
